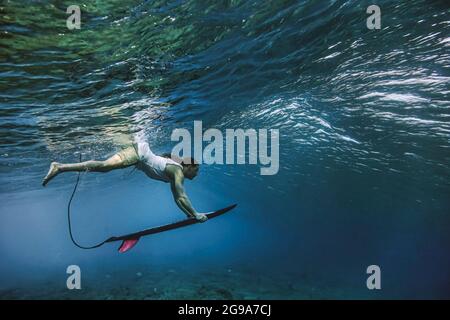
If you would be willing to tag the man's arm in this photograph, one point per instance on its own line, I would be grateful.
(180, 196)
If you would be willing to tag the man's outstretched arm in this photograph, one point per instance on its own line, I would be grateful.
(181, 198)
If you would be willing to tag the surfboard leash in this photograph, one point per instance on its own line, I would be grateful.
(69, 220)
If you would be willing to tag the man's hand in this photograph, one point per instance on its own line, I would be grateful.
(201, 217)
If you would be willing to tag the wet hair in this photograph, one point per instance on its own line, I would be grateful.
(185, 162)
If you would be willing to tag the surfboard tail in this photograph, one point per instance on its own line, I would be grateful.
(127, 244)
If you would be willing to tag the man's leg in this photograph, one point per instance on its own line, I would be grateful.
(122, 159)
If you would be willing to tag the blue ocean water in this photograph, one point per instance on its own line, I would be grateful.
(363, 117)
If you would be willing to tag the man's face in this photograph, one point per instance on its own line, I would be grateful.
(191, 172)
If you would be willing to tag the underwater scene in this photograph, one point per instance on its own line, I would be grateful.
(327, 123)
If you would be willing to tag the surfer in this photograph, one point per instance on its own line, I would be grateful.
(163, 168)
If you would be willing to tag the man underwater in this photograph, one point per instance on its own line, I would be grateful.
(161, 168)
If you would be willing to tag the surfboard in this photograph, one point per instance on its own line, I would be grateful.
(130, 240)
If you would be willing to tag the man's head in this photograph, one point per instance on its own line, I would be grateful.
(190, 166)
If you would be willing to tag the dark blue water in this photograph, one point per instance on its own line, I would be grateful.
(363, 117)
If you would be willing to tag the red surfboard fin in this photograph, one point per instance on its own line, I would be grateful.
(128, 244)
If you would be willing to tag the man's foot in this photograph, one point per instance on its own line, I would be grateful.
(201, 217)
(52, 172)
